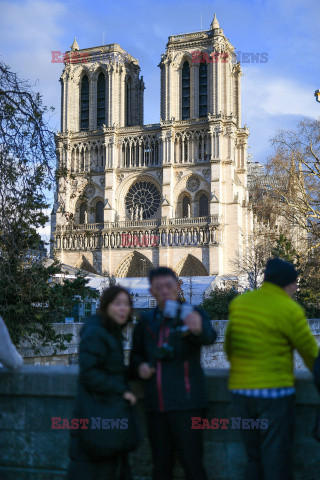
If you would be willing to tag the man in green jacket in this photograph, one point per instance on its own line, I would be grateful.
(265, 327)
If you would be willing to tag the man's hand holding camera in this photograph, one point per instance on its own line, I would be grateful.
(194, 322)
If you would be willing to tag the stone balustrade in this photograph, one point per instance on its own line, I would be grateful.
(212, 219)
(31, 450)
(135, 233)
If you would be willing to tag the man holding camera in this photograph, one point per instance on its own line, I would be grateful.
(166, 354)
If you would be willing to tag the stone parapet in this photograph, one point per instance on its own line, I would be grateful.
(31, 450)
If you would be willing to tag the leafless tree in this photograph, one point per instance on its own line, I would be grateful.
(296, 165)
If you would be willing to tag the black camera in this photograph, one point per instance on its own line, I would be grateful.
(178, 312)
(165, 352)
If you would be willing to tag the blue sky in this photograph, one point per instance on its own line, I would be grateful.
(275, 95)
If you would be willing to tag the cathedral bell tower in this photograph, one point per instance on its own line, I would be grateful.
(200, 76)
(100, 86)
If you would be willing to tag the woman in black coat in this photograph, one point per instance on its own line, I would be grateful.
(103, 374)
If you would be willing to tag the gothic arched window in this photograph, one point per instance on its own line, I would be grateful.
(84, 104)
(185, 91)
(200, 149)
(147, 151)
(156, 153)
(99, 212)
(186, 207)
(203, 90)
(203, 206)
(185, 150)
(101, 100)
(83, 213)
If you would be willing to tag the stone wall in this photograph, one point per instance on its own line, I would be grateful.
(31, 450)
(212, 356)
(47, 355)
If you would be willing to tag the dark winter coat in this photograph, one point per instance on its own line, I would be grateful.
(316, 372)
(103, 373)
(179, 383)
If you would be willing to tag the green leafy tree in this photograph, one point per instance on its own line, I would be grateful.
(285, 250)
(217, 302)
(37, 299)
(29, 297)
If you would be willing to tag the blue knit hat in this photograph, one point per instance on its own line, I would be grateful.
(280, 273)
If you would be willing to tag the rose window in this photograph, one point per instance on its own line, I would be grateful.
(142, 200)
(193, 183)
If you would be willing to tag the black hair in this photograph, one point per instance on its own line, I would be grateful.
(162, 272)
(107, 297)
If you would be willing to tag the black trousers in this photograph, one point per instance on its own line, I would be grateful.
(269, 451)
(170, 433)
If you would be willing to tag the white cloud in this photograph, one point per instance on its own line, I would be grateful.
(46, 230)
(271, 95)
(270, 103)
(29, 31)
(45, 233)
(33, 23)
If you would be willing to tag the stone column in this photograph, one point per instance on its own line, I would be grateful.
(140, 153)
(62, 105)
(109, 194)
(177, 112)
(111, 96)
(238, 99)
(167, 101)
(65, 86)
(171, 145)
(122, 108)
(182, 148)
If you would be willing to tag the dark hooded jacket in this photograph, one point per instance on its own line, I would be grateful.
(102, 373)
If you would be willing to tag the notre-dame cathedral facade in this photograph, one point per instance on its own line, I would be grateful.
(174, 193)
